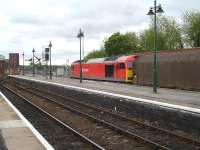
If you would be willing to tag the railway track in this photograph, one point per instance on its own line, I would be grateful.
(108, 136)
(58, 134)
(145, 134)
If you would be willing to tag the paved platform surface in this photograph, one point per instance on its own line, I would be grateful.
(14, 134)
(171, 96)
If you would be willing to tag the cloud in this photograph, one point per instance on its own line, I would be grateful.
(27, 24)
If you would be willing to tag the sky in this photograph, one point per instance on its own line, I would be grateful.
(28, 24)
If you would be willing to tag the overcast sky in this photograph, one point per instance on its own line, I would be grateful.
(25, 24)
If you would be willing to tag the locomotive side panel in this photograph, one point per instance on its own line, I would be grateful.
(93, 71)
(75, 70)
(89, 71)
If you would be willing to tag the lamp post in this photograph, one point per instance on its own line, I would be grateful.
(83, 44)
(50, 45)
(80, 35)
(23, 62)
(33, 62)
(153, 11)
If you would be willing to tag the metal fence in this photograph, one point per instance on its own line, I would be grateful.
(43, 71)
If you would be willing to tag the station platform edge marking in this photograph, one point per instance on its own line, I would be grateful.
(168, 105)
(41, 139)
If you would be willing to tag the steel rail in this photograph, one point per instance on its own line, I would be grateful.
(114, 127)
(62, 123)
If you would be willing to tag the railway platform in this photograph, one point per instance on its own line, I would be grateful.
(181, 99)
(16, 133)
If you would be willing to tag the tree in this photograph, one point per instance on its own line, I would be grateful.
(95, 54)
(191, 28)
(168, 35)
(147, 37)
(118, 43)
(172, 33)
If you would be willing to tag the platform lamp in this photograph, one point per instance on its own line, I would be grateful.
(33, 63)
(153, 11)
(80, 35)
(50, 45)
(83, 44)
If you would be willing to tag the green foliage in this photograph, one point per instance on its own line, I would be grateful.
(168, 35)
(119, 43)
(172, 33)
(147, 40)
(191, 28)
(95, 54)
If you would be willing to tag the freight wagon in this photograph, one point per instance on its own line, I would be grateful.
(178, 69)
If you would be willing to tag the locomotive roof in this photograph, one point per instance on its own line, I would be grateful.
(96, 60)
(78, 61)
(125, 58)
(101, 60)
(112, 58)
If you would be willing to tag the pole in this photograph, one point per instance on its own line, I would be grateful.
(33, 63)
(23, 63)
(46, 70)
(83, 45)
(154, 54)
(50, 64)
(50, 45)
(80, 61)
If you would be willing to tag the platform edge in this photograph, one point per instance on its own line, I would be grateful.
(125, 97)
(41, 139)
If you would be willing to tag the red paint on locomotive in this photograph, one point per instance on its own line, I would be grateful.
(110, 69)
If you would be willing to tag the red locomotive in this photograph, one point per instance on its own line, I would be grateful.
(118, 68)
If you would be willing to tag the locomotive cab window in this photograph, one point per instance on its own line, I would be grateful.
(121, 66)
(130, 65)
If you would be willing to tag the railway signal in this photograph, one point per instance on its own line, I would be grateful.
(46, 54)
(38, 61)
